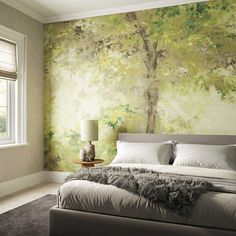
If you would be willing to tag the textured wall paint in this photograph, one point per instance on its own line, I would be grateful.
(169, 70)
(20, 161)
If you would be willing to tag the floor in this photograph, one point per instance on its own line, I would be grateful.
(22, 197)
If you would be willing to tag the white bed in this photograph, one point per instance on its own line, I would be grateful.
(82, 204)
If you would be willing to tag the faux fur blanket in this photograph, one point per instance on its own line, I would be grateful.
(177, 194)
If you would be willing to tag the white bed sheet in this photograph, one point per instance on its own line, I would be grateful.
(213, 209)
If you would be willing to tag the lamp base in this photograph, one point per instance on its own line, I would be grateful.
(90, 151)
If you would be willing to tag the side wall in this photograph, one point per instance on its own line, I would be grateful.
(20, 161)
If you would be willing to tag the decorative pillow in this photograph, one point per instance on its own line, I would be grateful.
(208, 156)
(143, 153)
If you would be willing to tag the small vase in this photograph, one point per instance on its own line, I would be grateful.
(82, 154)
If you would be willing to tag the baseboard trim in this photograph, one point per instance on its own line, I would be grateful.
(27, 181)
(55, 176)
(21, 183)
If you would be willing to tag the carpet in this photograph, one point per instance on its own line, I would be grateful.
(30, 219)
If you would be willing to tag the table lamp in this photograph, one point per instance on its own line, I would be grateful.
(89, 132)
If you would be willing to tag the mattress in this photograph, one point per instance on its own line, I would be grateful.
(212, 209)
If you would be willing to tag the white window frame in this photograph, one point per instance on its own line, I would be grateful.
(17, 89)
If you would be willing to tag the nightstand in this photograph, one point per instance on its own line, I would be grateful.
(87, 164)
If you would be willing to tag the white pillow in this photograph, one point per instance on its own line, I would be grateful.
(208, 156)
(143, 153)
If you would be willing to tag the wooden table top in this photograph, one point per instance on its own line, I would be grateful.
(95, 161)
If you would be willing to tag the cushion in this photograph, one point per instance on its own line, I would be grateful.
(143, 153)
(208, 156)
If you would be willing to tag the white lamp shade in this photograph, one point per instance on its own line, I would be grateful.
(89, 130)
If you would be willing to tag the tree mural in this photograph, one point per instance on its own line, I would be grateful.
(147, 37)
(195, 16)
(168, 70)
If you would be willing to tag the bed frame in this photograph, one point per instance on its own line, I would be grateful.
(64, 222)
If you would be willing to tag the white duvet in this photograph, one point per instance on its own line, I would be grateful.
(213, 209)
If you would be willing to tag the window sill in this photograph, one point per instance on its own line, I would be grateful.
(13, 145)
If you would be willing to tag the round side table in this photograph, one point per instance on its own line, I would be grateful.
(87, 164)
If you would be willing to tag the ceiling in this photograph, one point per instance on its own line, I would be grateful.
(47, 11)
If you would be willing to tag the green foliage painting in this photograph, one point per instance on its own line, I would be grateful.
(167, 70)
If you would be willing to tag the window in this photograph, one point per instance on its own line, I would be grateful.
(12, 87)
(4, 113)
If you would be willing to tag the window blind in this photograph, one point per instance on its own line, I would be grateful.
(8, 68)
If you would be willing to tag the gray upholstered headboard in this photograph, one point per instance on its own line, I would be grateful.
(185, 138)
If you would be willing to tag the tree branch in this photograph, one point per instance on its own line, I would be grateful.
(149, 45)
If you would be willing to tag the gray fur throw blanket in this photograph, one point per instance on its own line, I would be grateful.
(178, 194)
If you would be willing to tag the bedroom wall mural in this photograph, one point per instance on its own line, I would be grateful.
(168, 70)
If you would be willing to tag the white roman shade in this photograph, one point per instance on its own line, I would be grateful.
(8, 68)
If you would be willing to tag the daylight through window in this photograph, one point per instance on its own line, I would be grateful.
(12, 87)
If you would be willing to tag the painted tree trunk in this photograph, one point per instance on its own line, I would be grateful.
(152, 101)
(150, 59)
